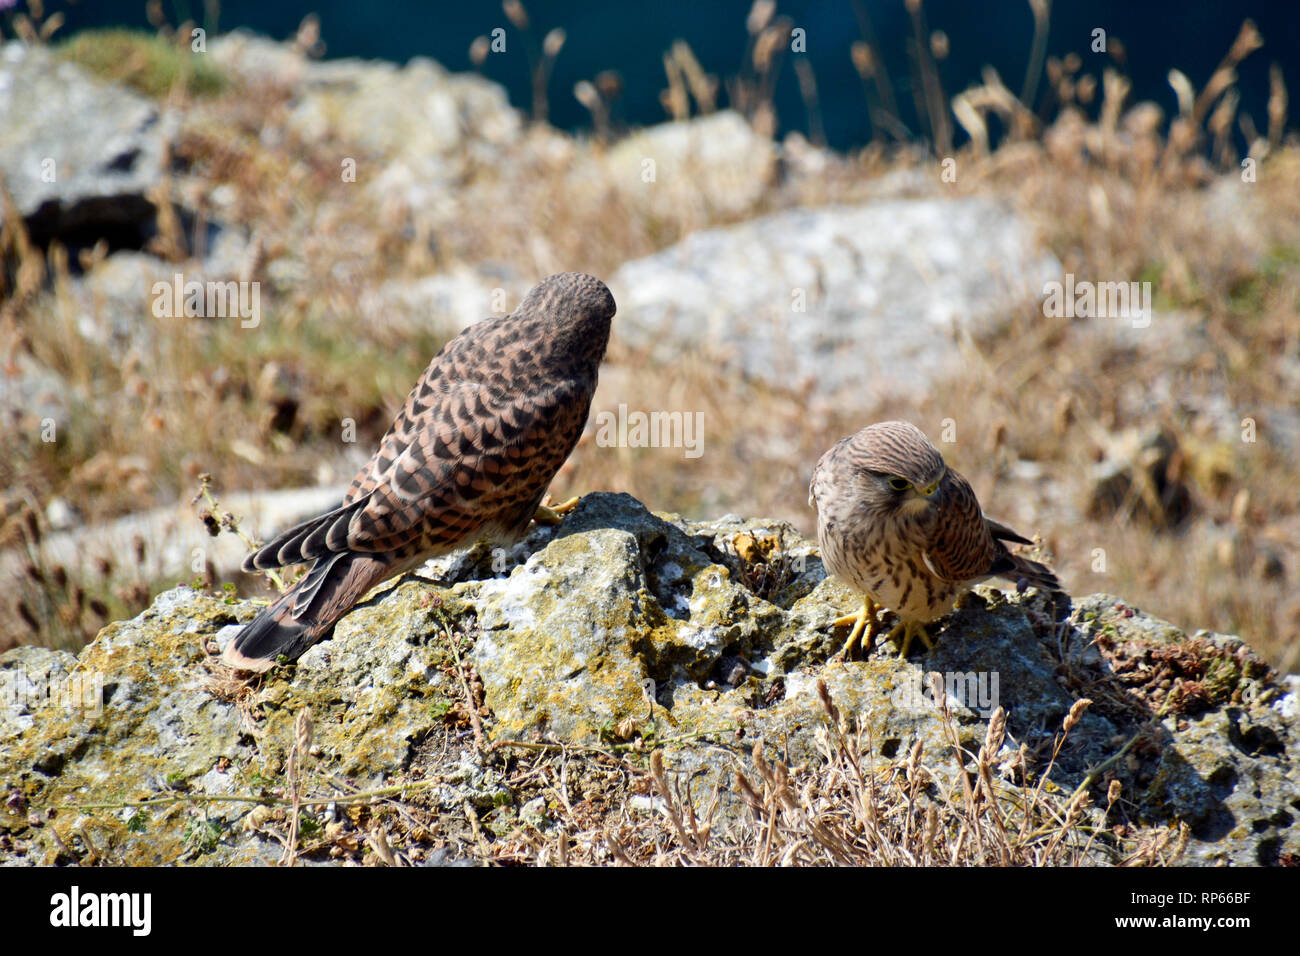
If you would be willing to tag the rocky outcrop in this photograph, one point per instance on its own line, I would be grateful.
(619, 624)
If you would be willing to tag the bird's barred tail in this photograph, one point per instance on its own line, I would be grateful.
(307, 612)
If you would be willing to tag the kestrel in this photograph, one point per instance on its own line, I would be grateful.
(468, 458)
(906, 530)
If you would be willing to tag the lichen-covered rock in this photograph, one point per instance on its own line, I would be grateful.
(700, 638)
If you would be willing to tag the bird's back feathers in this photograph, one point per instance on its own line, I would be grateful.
(482, 433)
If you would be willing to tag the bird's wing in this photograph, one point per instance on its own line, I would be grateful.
(960, 546)
(1003, 533)
(458, 457)
(468, 445)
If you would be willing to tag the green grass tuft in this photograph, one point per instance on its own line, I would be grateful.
(144, 61)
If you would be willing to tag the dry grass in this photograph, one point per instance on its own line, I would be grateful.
(561, 805)
(1115, 198)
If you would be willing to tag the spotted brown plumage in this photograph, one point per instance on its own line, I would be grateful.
(468, 458)
(905, 530)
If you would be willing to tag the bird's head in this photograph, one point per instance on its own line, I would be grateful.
(576, 309)
(897, 468)
(570, 297)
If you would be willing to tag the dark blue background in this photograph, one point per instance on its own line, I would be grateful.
(631, 37)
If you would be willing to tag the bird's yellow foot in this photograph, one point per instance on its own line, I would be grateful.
(864, 622)
(910, 630)
(553, 514)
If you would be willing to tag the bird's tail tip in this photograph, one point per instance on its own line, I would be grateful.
(233, 658)
(270, 636)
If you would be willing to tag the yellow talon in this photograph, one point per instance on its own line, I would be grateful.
(863, 621)
(910, 630)
(553, 514)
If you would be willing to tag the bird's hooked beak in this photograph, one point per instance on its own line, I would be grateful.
(920, 498)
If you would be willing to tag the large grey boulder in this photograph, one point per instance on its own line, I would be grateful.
(699, 638)
(875, 297)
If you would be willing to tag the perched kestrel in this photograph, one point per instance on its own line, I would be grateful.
(469, 457)
(903, 528)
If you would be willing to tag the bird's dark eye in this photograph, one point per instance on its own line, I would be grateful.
(899, 484)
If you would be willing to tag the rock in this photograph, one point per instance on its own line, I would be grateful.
(79, 156)
(422, 122)
(447, 302)
(716, 161)
(697, 637)
(32, 396)
(870, 297)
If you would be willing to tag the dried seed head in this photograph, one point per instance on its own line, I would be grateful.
(1113, 792)
(1075, 808)
(516, 12)
(996, 732)
(759, 14)
(479, 49)
(914, 761)
(747, 791)
(303, 730)
(1076, 713)
(657, 765)
(863, 61)
(609, 83)
(829, 705)
(585, 93)
(554, 42)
